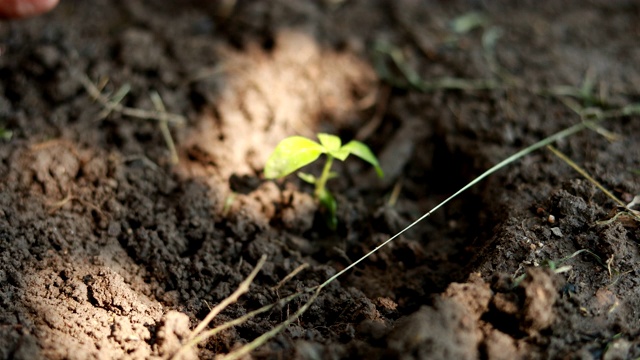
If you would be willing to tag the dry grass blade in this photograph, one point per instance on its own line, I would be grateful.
(609, 135)
(241, 290)
(95, 93)
(59, 204)
(595, 182)
(209, 333)
(582, 172)
(262, 339)
(115, 101)
(409, 78)
(290, 276)
(395, 193)
(164, 126)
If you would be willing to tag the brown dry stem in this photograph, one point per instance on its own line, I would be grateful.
(241, 290)
(95, 93)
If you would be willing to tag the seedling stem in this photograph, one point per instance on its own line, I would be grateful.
(322, 181)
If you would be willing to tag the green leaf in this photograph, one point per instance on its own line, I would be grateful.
(330, 142)
(363, 152)
(328, 202)
(5, 134)
(290, 155)
(307, 178)
(340, 154)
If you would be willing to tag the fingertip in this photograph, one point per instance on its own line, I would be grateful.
(16, 9)
(45, 5)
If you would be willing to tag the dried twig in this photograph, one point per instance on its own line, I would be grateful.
(164, 126)
(59, 204)
(95, 93)
(290, 276)
(241, 290)
(209, 333)
(120, 94)
(582, 172)
(595, 182)
(262, 339)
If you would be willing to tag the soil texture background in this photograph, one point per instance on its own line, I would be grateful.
(113, 246)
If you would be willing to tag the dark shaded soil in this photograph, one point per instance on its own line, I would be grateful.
(108, 250)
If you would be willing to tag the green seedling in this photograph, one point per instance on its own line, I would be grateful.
(295, 152)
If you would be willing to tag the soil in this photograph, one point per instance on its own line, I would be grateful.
(109, 250)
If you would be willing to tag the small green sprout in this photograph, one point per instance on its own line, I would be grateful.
(295, 152)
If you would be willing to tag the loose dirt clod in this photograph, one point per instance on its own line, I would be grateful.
(539, 297)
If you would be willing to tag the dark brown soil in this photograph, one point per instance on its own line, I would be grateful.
(108, 250)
